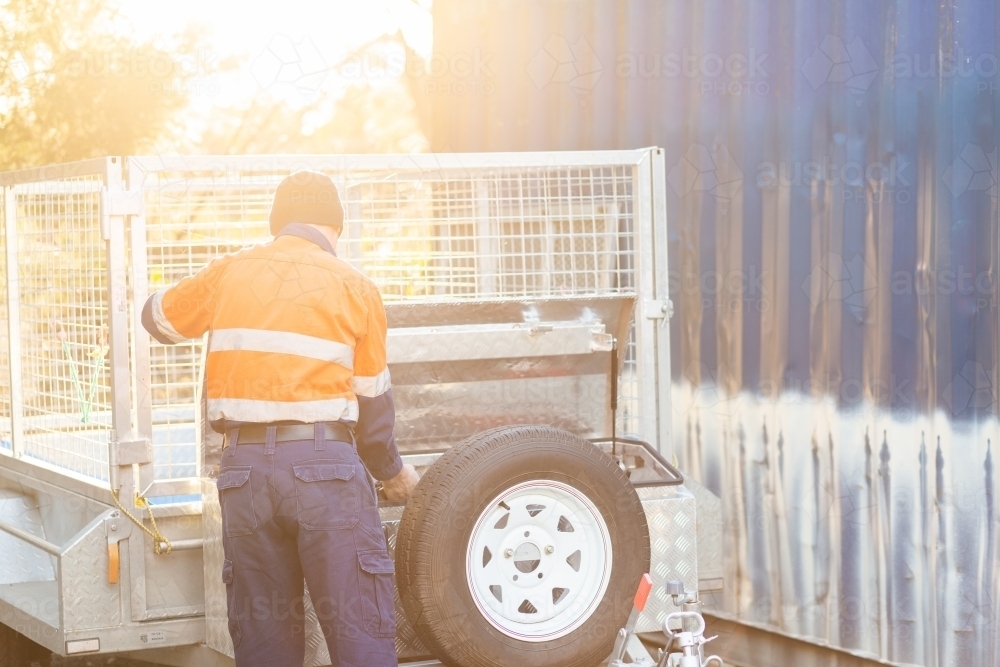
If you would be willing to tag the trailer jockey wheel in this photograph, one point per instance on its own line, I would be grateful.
(521, 546)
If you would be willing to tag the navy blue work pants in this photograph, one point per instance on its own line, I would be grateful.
(295, 511)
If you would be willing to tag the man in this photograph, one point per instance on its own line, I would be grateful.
(296, 378)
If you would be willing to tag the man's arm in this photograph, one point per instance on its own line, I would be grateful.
(373, 388)
(184, 311)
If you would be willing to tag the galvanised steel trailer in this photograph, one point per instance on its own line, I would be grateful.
(523, 291)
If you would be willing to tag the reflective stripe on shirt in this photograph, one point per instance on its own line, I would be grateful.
(282, 342)
(161, 321)
(371, 386)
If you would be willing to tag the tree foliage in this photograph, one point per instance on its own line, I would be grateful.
(373, 115)
(366, 119)
(75, 84)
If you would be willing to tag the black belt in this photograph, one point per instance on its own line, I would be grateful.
(256, 434)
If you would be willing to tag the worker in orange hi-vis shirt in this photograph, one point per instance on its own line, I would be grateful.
(296, 378)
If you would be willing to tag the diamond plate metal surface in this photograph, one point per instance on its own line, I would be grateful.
(89, 601)
(673, 542)
(709, 508)
(22, 561)
(317, 652)
(34, 600)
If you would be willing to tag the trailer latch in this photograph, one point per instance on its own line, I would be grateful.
(601, 341)
(117, 528)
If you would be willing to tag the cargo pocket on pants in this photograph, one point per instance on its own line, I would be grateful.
(378, 605)
(234, 622)
(236, 498)
(327, 495)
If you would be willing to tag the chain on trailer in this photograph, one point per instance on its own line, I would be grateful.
(161, 545)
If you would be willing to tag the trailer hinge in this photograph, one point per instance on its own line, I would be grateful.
(118, 203)
(655, 309)
(128, 452)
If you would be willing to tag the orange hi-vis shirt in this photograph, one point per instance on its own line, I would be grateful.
(295, 335)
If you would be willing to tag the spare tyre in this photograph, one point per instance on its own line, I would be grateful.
(522, 546)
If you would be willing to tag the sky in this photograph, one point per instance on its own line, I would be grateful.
(293, 50)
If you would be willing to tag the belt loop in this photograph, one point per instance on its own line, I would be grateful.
(319, 436)
(232, 437)
(272, 433)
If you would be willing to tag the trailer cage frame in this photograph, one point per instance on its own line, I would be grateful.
(96, 410)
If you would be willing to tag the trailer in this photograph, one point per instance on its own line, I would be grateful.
(527, 300)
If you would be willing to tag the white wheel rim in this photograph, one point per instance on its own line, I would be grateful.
(540, 573)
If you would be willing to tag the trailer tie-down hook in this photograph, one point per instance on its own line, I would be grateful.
(161, 545)
(98, 354)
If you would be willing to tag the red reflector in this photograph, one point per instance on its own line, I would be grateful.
(641, 595)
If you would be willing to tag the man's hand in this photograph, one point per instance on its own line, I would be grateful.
(401, 486)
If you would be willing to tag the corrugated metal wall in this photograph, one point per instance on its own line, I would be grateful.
(833, 216)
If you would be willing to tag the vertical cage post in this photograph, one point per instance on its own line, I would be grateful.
(123, 452)
(141, 376)
(137, 379)
(645, 328)
(118, 344)
(662, 297)
(14, 325)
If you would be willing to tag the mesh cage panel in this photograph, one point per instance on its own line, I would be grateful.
(62, 290)
(448, 234)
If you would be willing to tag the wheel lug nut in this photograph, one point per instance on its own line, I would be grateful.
(549, 549)
(508, 553)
